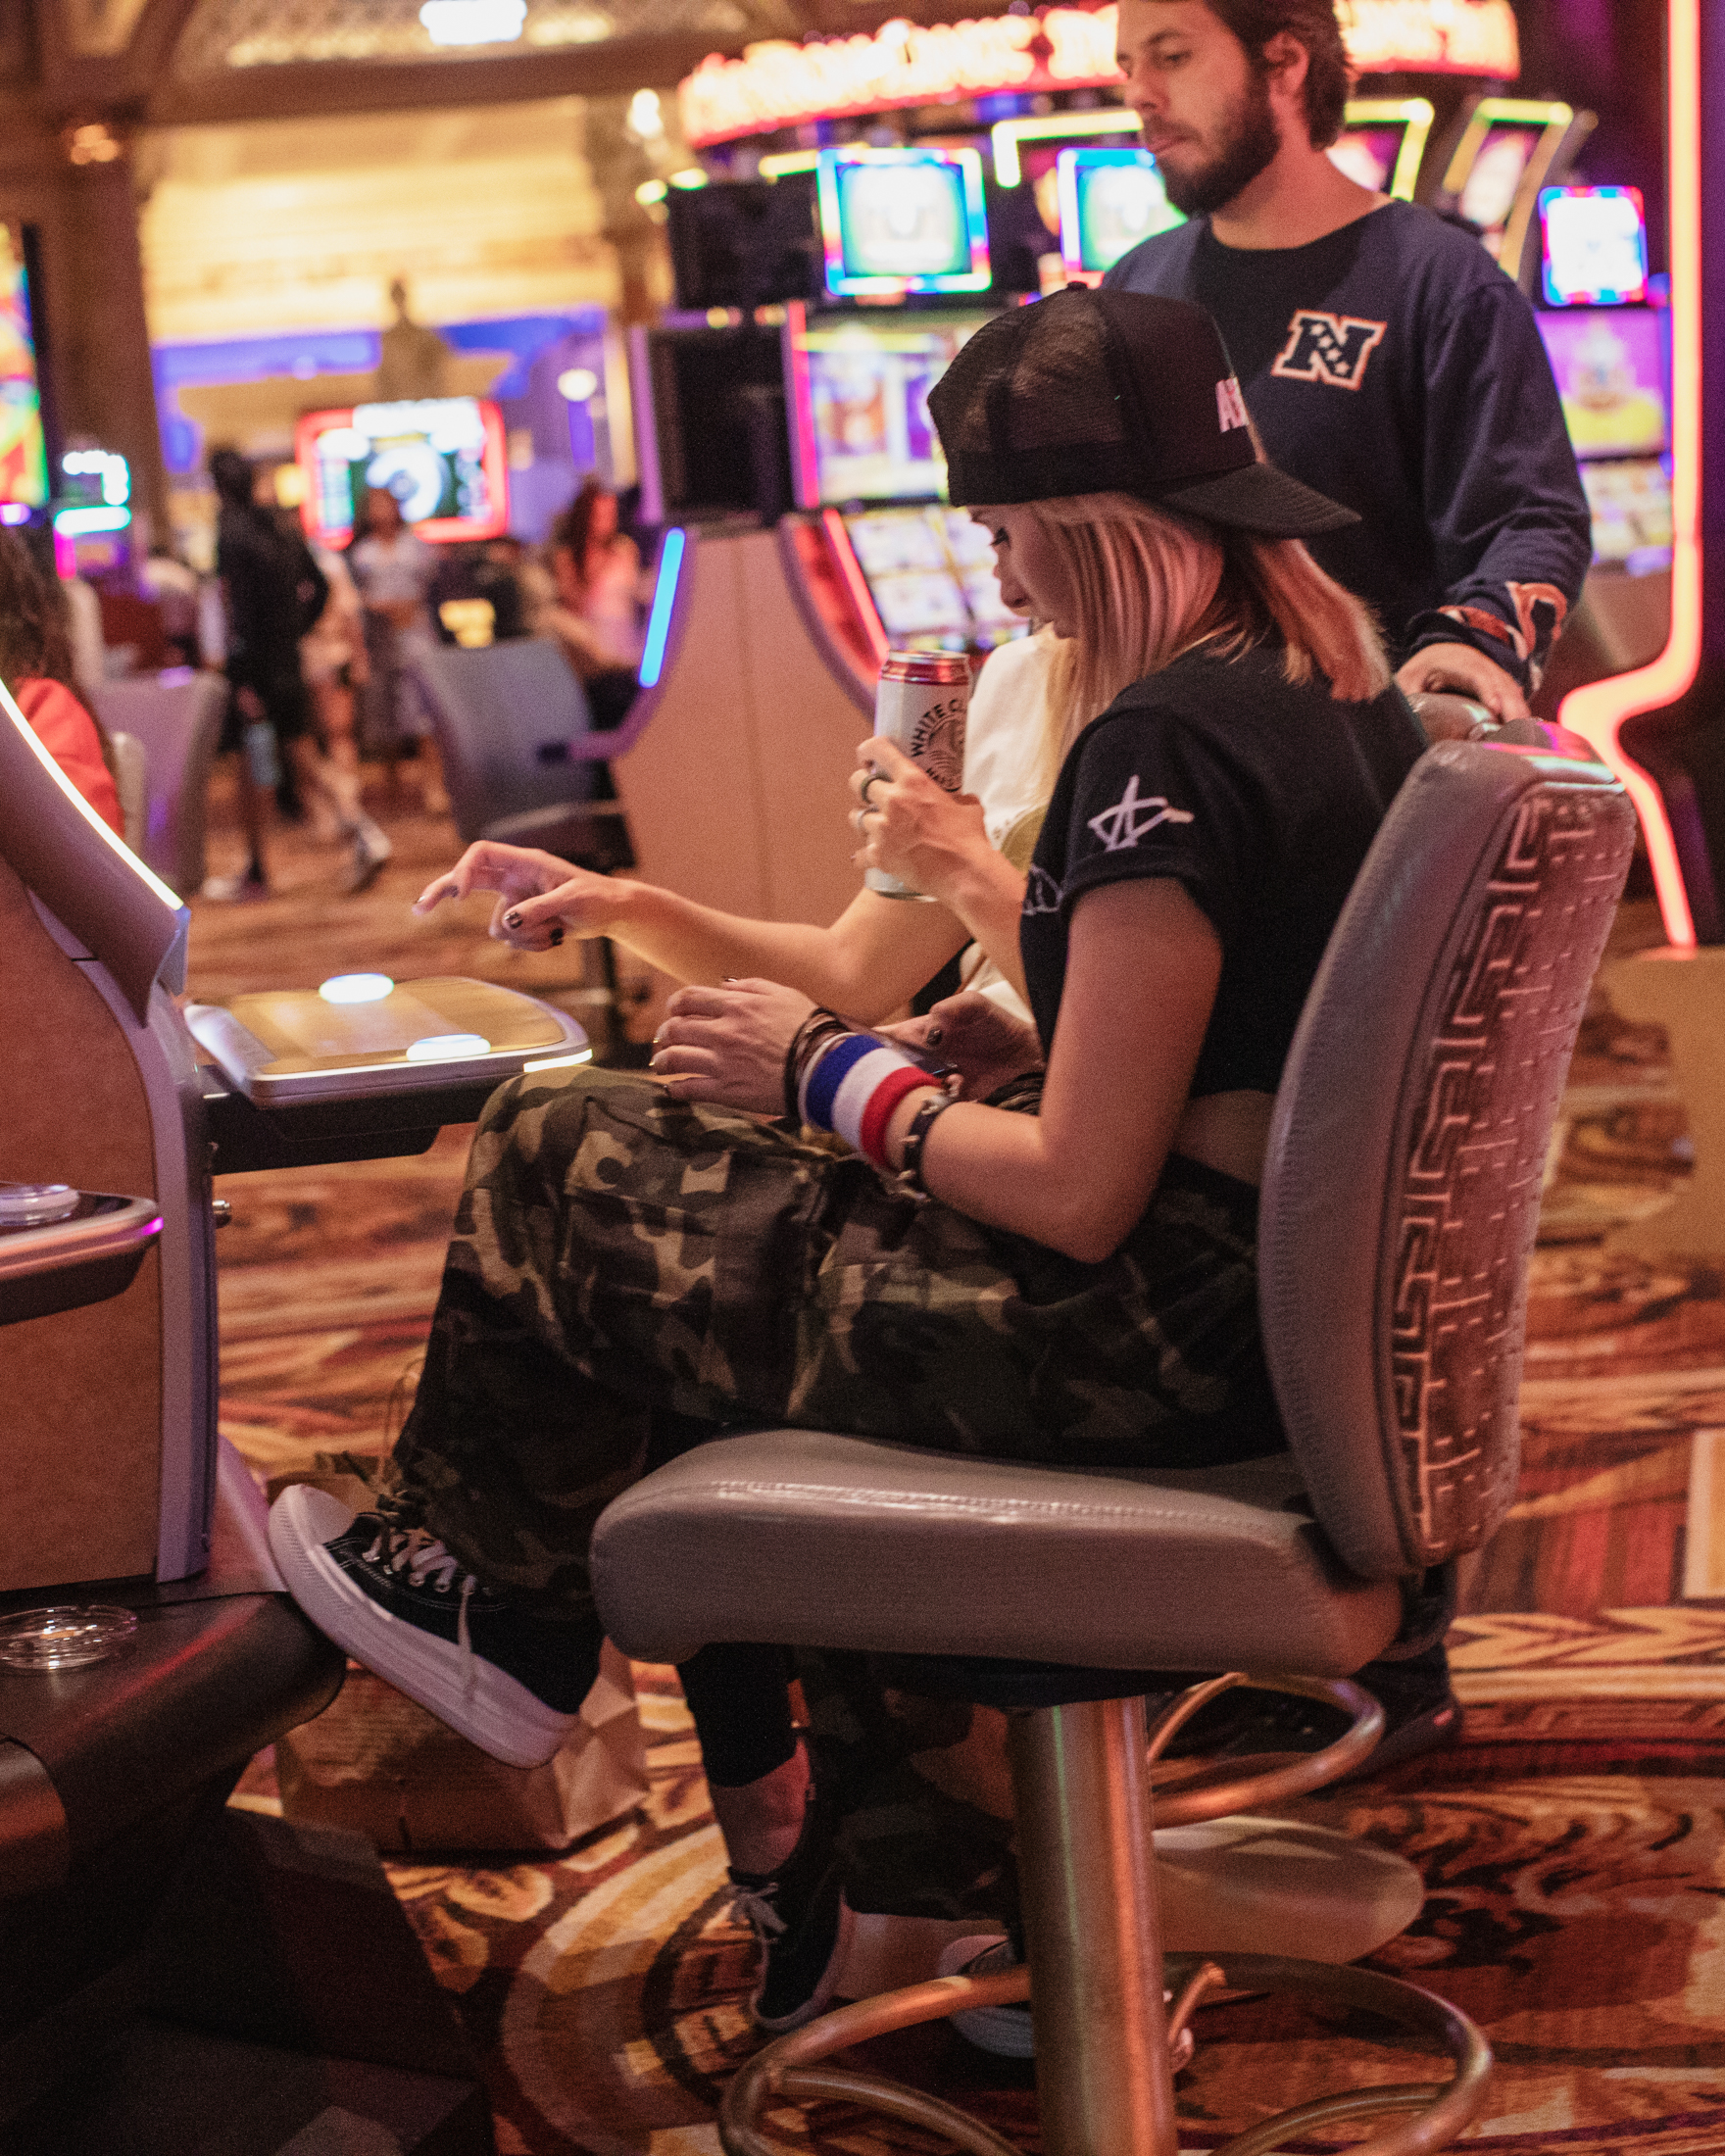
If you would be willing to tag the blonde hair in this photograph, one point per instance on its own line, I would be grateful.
(1150, 585)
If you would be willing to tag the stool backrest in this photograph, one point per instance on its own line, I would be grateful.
(1400, 1196)
(506, 716)
(176, 718)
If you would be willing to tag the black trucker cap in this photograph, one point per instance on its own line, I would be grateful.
(1095, 391)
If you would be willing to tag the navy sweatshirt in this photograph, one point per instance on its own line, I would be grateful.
(1394, 366)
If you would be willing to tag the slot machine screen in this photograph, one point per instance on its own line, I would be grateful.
(1595, 246)
(1612, 368)
(23, 453)
(860, 404)
(903, 220)
(1109, 200)
(930, 571)
(1630, 498)
(444, 458)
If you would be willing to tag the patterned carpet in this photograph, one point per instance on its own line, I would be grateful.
(1573, 1847)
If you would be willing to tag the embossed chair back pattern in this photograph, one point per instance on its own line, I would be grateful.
(1444, 1015)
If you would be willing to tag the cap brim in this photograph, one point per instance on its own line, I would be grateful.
(1259, 498)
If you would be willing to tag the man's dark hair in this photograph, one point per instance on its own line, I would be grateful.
(1313, 24)
(230, 474)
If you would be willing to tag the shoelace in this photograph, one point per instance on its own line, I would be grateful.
(424, 1558)
(754, 1904)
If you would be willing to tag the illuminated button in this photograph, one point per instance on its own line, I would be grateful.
(443, 1048)
(357, 988)
(28, 1204)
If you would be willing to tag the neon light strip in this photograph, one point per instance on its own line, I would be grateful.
(788, 160)
(1009, 133)
(862, 598)
(1414, 114)
(804, 449)
(665, 598)
(1598, 711)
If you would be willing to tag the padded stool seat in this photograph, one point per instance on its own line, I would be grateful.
(804, 1535)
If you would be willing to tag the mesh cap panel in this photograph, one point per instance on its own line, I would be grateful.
(1093, 391)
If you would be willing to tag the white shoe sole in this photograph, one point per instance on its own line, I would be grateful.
(471, 1696)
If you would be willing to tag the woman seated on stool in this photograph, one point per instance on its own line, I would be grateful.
(1065, 1272)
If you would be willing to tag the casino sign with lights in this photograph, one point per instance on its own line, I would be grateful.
(779, 84)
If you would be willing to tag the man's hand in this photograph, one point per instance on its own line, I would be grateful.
(728, 1044)
(984, 1044)
(1461, 668)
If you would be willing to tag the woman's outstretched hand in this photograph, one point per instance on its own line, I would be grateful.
(728, 1044)
(540, 899)
(908, 825)
(979, 1040)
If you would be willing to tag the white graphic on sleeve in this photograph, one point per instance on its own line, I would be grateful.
(1127, 821)
(1041, 895)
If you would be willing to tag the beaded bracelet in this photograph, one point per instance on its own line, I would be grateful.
(921, 1123)
(821, 1026)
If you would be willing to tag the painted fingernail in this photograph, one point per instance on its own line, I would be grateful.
(555, 934)
(511, 920)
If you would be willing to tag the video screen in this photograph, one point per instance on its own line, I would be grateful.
(1110, 201)
(1595, 246)
(1611, 371)
(745, 243)
(903, 220)
(1488, 193)
(444, 458)
(1631, 504)
(931, 574)
(860, 399)
(23, 453)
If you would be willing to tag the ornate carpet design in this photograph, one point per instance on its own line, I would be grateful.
(1573, 1845)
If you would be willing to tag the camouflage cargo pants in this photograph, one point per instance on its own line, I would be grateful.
(630, 1272)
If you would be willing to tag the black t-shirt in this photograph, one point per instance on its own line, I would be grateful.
(275, 591)
(1261, 797)
(1394, 366)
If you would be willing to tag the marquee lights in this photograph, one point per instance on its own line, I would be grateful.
(779, 84)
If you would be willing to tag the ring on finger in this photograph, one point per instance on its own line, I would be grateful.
(873, 779)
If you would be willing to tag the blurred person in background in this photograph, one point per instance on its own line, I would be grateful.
(476, 596)
(595, 604)
(273, 592)
(393, 569)
(36, 666)
(332, 659)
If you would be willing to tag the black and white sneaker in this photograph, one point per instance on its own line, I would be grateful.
(507, 1679)
(803, 1923)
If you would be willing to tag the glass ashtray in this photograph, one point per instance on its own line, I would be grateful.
(65, 1637)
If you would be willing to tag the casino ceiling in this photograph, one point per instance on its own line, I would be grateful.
(203, 61)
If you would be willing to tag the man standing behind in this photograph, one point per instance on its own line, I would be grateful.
(1384, 357)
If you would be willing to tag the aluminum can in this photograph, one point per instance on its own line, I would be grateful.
(920, 708)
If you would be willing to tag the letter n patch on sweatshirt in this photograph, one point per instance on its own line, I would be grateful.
(1327, 348)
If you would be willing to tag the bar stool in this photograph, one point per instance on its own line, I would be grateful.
(1400, 1202)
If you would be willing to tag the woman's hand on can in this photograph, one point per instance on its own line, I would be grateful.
(908, 827)
(728, 1044)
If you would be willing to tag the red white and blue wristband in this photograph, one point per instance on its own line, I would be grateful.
(854, 1089)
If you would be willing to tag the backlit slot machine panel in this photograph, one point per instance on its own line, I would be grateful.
(931, 579)
(1382, 143)
(895, 222)
(1506, 152)
(861, 427)
(24, 454)
(1109, 200)
(444, 458)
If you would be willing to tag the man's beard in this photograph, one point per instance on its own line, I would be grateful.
(1248, 146)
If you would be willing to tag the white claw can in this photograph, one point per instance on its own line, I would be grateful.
(920, 707)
